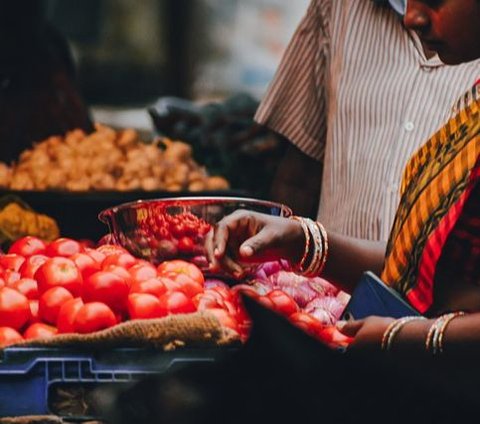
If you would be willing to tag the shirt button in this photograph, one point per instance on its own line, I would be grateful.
(409, 126)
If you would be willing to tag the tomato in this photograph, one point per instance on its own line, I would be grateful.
(59, 272)
(27, 286)
(266, 301)
(178, 266)
(94, 316)
(125, 260)
(332, 337)
(31, 265)
(28, 246)
(34, 317)
(10, 277)
(144, 306)
(223, 291)
(67, 314)
(14, 309)
(2, 283)
(63, 247)
(185, 284)
(11, 262)
(97, 256)
(39, 330)
(87, 243)
(225, 319)
(152, 286)
(307, 323)
(106, 287)
(283, 303)
(85, 263)
(185, 245)
(9, 336)
(121, 272)
(142, 271)
(204, 301)
(176, 302)
(244, 289)
(110, 249)
(50, 303)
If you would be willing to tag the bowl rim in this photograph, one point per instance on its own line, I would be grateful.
(268, 203)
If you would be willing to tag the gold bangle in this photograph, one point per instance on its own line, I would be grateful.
(313, 268)
(447, 320)
(323, 232)
(431, 332)
(394, 328)
(301, 265)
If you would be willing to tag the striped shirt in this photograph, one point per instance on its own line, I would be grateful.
(356, 90)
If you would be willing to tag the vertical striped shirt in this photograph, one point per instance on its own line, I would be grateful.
(356, 90)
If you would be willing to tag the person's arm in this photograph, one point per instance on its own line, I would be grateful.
(246, 236)
(297, 182)
(461, 336)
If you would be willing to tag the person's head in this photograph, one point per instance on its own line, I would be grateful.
(449, 27)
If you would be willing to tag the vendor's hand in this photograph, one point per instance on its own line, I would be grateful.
(367, 333)
(249, 237)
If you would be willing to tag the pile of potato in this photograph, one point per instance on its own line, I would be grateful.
(108, 160)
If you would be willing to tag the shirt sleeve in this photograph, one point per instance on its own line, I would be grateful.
(295, 102)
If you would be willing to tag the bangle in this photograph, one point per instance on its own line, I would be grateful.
(434, 340)
(394, 328)
(323, 233)
(301, 265)
(314, 267)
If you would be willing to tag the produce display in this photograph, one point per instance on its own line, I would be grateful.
(108, 160)
(65, 286)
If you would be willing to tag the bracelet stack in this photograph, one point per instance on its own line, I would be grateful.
(315, 255)
(434, 340)
(394, 328)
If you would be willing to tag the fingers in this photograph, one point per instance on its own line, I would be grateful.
(350, 328)
(256, 245)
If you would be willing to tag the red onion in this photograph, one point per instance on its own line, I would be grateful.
(210, 283)
(326, 308)
(323, 287)
(294, 285)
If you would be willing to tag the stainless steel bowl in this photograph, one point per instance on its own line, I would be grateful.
(175, 228)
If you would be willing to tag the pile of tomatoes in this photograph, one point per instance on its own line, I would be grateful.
(173, 235)
(68, 287)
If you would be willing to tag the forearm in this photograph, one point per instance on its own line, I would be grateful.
(349, 257)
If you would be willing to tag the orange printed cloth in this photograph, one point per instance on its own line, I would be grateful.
(437, 225)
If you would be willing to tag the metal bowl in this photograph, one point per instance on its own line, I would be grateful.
(175, 228)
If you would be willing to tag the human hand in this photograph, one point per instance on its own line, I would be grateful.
(249, 237)
(367, 333)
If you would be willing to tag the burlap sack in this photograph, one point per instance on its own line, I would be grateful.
(32, 419)
(199, 329)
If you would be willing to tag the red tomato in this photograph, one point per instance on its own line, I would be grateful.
(204, 301)
(34, 311)
(85, 263)
(181, 267)
(307, 323)
(31, 265)
(67, 314)
(170, 284)
(176, 302)
(223, 291)
(11, 262)
(59, 272)
(332, 337)
(106, 287)
(144, 306)
(28, 246)
(266, 301)
(86, 243)
(9, 336)
(225, 319)
(121, 272)
(39, 330)
(110, 249)
(97, 256)
(27, 286)
(142, 271)
(244, 289)
(186, 245)
(125, 260)
(63, 247)
(185, 283)
(153, 286)
(10, 277)
(50, 303)
(2, 283)
(283, 303)
(14, 308)
(92, 317)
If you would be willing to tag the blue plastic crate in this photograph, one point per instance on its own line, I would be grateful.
(29, 375)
